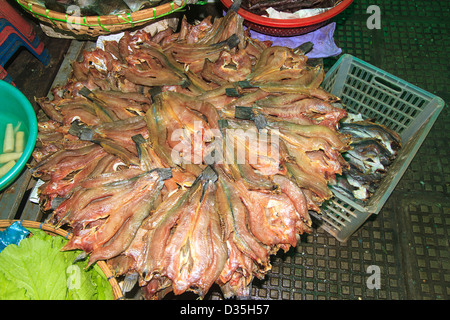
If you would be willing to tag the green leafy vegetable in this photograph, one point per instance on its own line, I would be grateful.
(36, 269)
(10, 291)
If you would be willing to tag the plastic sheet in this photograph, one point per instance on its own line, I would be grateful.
(13, 235)
(322, 38)
(303, 13)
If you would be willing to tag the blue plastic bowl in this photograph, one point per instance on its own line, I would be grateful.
(15, 108)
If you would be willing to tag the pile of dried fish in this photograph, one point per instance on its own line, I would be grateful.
(373, 149)
(186, 159)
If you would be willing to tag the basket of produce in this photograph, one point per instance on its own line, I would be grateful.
(18, 132)
(257, 18)
(33, 267)
(391, 119)
(93, 18)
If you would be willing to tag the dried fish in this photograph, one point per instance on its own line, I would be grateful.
(373, 149)
(187, 158)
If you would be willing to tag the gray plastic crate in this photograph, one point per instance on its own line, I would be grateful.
(393, 102)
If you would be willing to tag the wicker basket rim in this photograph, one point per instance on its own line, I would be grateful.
(117, 292)
(131, 18)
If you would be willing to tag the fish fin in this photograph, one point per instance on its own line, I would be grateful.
(244, 113)
(81, 131)
(223, 124)
(164, 173)
(129, 282)
(138, 139)
(232, 92)
(233, 41)
(80, 257)
(154, 91)
(85, 92)
(260, 121)
(209, 174)
(304, 48)
(236, 5)
(245, 84)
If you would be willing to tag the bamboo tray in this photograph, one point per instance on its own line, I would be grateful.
(117, 292)
(95, 26)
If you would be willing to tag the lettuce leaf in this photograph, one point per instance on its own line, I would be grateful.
(35, 266)
(10, 291)
(36, 269)
(104, 289)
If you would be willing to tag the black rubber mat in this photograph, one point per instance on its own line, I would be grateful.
(323, 268)
(408, 242)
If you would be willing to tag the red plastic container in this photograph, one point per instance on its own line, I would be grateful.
(288, 27)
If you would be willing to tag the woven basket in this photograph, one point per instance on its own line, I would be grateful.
(95, 26)
(117, 292)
